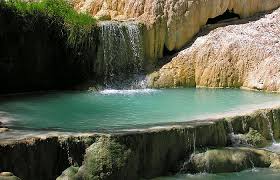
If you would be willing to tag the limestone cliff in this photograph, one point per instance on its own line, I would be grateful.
(245, 55)
(170, 23)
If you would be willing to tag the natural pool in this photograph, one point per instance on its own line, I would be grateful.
(121, 109)
(252, 174)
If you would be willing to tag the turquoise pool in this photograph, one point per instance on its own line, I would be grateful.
(121, 109)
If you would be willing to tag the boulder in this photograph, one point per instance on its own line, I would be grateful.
(8, 176)
(231, 160)
(254, 138)
(3, 129)
(68, 174)
(105, 159)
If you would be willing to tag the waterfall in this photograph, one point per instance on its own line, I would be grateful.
(194, 142)
(235, 139)
(275, 147)
(120, 54)
(269, 128)
(191, 145)
(65, 146)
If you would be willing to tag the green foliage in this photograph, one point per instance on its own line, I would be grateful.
(78, 26)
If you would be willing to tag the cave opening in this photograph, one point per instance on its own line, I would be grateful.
(229, 14)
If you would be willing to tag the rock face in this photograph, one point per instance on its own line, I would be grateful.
(245, 55)
(266, 122)
(43, 158)
(170, 23)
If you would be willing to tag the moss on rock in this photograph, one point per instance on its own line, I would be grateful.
(105, 159)
(254, 138)
(68, 174)
(231, 160)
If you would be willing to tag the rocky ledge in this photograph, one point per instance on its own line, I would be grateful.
(145, 153)
(245, 55)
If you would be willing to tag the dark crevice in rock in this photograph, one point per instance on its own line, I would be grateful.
(227, 16)
(167, 52)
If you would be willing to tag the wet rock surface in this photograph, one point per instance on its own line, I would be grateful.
(254, 138)
(3, 129)
(231, 160)
(8, 176)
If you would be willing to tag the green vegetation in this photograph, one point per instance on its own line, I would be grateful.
(104, 159)
(78, 26)
(255, 138)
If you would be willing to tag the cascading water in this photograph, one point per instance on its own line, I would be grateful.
(275, 147)
(194, 142)
(120, 54)
(66, 147)
(269, 128)
(235, 139)
(191, 145)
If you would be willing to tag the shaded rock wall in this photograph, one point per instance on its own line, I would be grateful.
(34, 54)
(170, 23)
(43, 158)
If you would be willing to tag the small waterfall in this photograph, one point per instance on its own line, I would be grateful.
(235, 139)
(65, 146)
(191, 145)
(275, 147)
(120, 53)
(194, 142)
(269, 128)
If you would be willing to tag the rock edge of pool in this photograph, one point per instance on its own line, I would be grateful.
(188, 147)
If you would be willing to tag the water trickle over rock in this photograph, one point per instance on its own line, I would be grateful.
(120, 52)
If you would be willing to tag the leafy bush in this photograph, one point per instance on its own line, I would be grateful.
(77, 25)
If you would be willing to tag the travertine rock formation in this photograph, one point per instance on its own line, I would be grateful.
(244, 55)
(232, 160)
(170, 23)
(145, 153)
